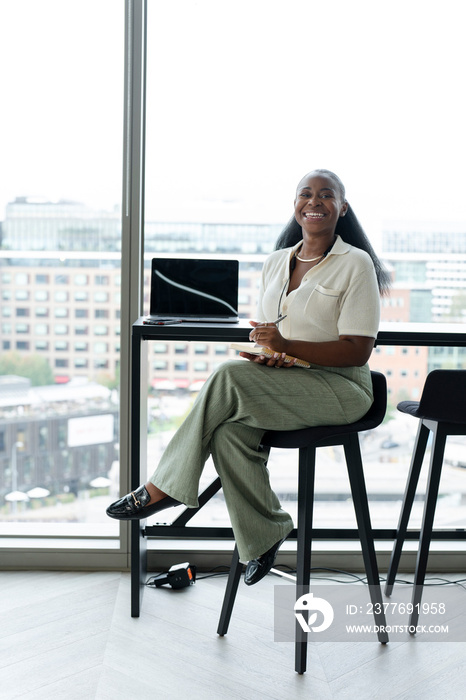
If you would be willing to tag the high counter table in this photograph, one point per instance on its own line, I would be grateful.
(402, 334)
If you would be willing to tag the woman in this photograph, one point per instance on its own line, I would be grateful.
(325, 280)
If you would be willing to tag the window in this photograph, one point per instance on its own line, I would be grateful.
(22, 328)
(220, 349)
(100, 363)
(421, 138)
(222, 189)
(160, 348)
(180, 348)
(41, 311)
(80, 363)
(160, 365)
(100, 348)
(201, 348)
(200, 366)
(67, 118)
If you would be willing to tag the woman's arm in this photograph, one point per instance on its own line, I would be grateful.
(347, 351)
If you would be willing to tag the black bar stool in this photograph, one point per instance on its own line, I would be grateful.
(307, 441)
(442, 412)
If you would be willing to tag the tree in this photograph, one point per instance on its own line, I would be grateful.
(34, 367)
(107, 380)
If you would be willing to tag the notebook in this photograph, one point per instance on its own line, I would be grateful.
(254, 349)
(195, 290)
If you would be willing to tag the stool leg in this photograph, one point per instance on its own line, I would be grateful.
(361, 507)
(408, 499)
(230, 593)
(307, 459)
(435, 471)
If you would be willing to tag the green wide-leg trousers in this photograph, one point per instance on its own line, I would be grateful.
(238, 403)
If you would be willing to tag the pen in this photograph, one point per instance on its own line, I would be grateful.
(280, 318)
(165, 322)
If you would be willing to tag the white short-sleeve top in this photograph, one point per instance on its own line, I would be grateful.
(339, 296)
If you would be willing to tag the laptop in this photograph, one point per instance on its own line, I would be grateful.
(195, 290)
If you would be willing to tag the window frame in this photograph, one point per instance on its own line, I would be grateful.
(101, 553)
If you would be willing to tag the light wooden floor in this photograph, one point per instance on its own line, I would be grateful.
(66, 635)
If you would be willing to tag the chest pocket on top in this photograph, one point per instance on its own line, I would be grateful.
(323, 304)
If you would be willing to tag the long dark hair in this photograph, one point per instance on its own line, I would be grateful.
(348, 228)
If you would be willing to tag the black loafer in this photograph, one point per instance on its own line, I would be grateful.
(260, 567)
(134, 506)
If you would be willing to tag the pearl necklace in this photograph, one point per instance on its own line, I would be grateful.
(310, 259)
(319, 256)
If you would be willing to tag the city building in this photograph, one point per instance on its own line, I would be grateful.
(55, 438)
(66, 308)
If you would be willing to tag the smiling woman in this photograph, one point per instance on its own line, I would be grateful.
(318, 205)
(321, 208)
(329, 319)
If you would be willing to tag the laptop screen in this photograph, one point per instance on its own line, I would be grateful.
(187, 287)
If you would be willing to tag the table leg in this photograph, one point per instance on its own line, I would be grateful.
(138, 452)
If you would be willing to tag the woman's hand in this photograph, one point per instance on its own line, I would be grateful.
(277, 360)
(268, 335)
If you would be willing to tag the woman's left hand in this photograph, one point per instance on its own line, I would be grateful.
(277, 359)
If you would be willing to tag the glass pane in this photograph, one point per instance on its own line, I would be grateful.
(60, 186)
(240, 105)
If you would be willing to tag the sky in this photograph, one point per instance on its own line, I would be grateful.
(242, 100)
